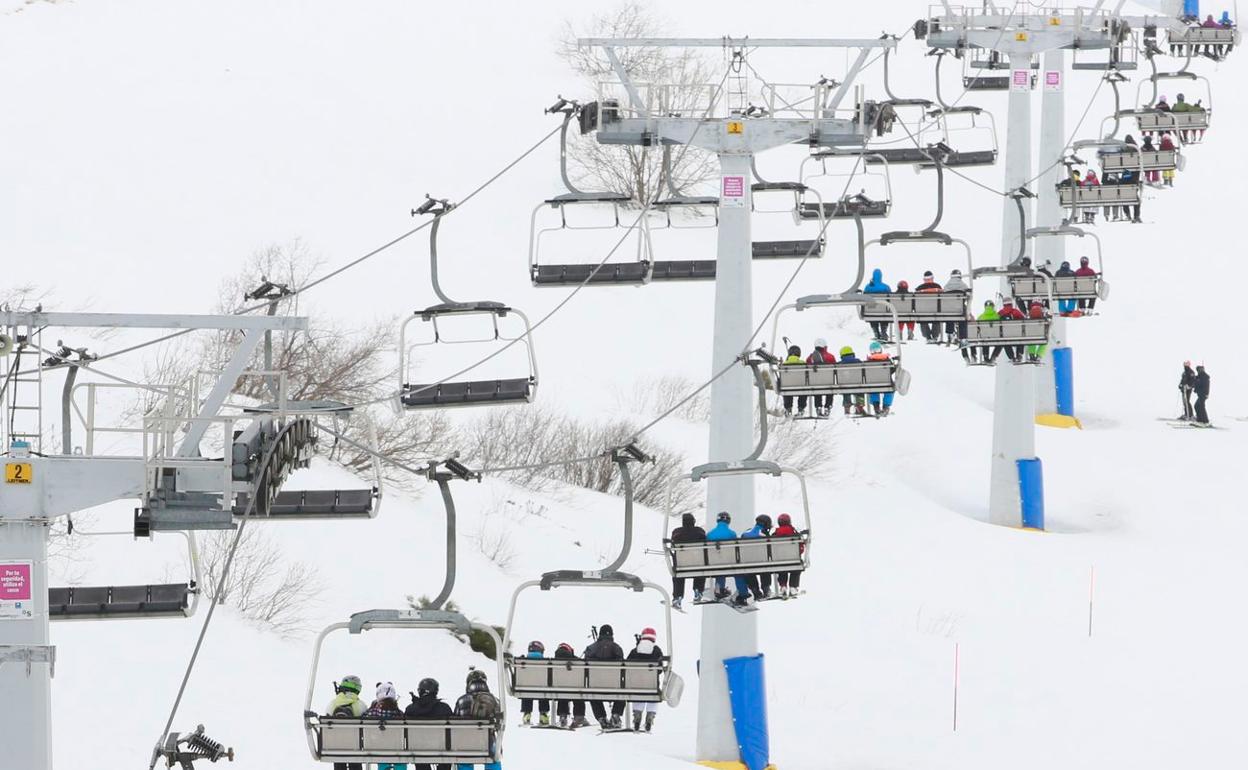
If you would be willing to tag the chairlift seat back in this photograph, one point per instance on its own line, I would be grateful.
(1100, 195)
(625, 273)
(1151, 160)
(846, 209)
(787, 249)
(1205, 36)
(986, 83)
(115, 602)
(1064, 287)
(1193, 120)
(836, 379)
(1007, 332)
(684, 270)
(720, 558)
(471, 393)
(640, 681)
(895, 156)
(918, 307)
(967, 159)
(444, 740)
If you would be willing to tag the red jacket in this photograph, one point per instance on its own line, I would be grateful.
(817, 358)
(787, 530)
(1011, 313)
(1085, 272)
(928, 287)
(1036, 311)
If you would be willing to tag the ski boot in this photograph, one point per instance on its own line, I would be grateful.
(649, 720)
(544, 720)
(580, 721)
(677, 601)
(616, 723)
(697, 596)
(563, 720)
(526, 720)
(636, 720)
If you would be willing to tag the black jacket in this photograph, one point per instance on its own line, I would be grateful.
(1202, 384)
(604, 648)
(694, 534)
(1188, 380)
(427, 707)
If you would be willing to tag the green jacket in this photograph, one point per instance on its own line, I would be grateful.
(346, 699)
(790, 360)
(989, 314)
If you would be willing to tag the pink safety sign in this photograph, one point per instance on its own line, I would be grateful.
(15, 582)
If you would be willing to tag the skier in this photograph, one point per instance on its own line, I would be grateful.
(687, 532)
(929, 286)
(857, 401)
(646, 649)
(426, 705)
(565, 652)
(605, 648)
(877, 286)
(1187, 385)
(1036, 313)
(955, 331)
(1010, 313)
(794, 359)
(1202, 395)
(722, 531)
(823, 402)
(1085, 271)
(877, 354)
(989, 356)
(478, 702)
(386, 706)
(347, 703)
(537, 651)
(1167, 143)
(1090, 180)
(758, 586)
(789, 582)
(904, 327)
(1065, 306)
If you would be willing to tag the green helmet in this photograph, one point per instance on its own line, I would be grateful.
(351, 683)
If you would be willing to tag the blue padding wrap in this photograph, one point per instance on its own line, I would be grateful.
(747, 691)
(1031, 492)
(1064, 377)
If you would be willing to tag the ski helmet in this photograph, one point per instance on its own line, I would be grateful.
(794, 350)
(903, 285)
(648, 634)
(928, 275)
(821, 343)
(1083, 260)
(785, 520)
(606, 630)
(536, 646)
(351, 683)
(475, 676)
(988, 303)
(847, 351)
(876, 347)
(427, 686)
(724, 517)
(565, 647)
(386, 690)
(763, 520)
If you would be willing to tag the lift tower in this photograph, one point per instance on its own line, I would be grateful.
(1020, 38)
(820, 115)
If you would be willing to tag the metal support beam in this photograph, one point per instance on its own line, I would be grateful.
(221, 390)
(733, 42)
(1013, 423)
(725, 632)
(150, 321)
(26, 716)
(843, 89)
(1049, 212)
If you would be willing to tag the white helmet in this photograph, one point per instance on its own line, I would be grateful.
(821, 343)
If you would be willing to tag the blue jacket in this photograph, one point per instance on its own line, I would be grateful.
(534, 655)
(721, 532)
(877, 285)
(849, 359)
(755, 531)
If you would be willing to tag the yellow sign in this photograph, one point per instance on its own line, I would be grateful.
(1055, 21)
(736, 127)
(1020, 37)
(17, 473)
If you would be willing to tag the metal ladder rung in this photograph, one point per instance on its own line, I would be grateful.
(16, 407)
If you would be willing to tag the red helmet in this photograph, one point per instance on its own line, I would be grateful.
(648, 634)
(785, 520)
(565, 647)
(903, 285)
(536, 646)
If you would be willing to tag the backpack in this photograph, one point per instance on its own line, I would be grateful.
(483, 706)
(344, 710)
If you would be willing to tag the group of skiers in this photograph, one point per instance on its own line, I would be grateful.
(758, 586)
(1065, 307)
(931, 330)
(1181, 105)
(604, 647)
(855, 404)
(1214, 50)
(476, 702)
(1194, 382)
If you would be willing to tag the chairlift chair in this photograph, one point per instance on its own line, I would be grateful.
(1003, 333)
(1198, 41)
(1189, 126)
(453, 391)
(141, 602)
(588, 273)
(448, 740)
(1041, 288)
(1078, 198)
(989, 61)
(919, 307)
(748, 556)
(788, 249)
(639, 681)
(665, 270)
(985, 155)
(859, 204)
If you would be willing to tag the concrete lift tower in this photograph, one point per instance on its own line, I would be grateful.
(179, 489)
(729, 125)
(1020, 38)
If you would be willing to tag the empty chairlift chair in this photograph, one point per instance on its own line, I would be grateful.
(748, 556)
(117, 602)
(589, 271)
(448, 740)
(874, 199)
(637, 681)
(788, 249)
(415, 394)
(677, 209)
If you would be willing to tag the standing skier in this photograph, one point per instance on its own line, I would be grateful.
(1202, 395)
(1187, 384)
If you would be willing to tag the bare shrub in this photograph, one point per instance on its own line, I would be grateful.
(492, 540)
(654, 397)
(634, 171)
(796, 445)
(262, 585)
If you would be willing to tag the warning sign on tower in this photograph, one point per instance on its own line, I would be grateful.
(16, 591)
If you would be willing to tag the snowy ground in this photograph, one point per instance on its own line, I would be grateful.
(150, 146)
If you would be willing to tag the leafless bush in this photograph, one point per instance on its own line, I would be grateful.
(262, 585)
(493, 540)
(407, 438)
(635, 171)
(654, 397)
(796, 445)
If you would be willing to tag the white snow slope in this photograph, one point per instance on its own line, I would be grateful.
(150, 146)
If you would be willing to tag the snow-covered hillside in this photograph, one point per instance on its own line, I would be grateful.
(150, 146)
